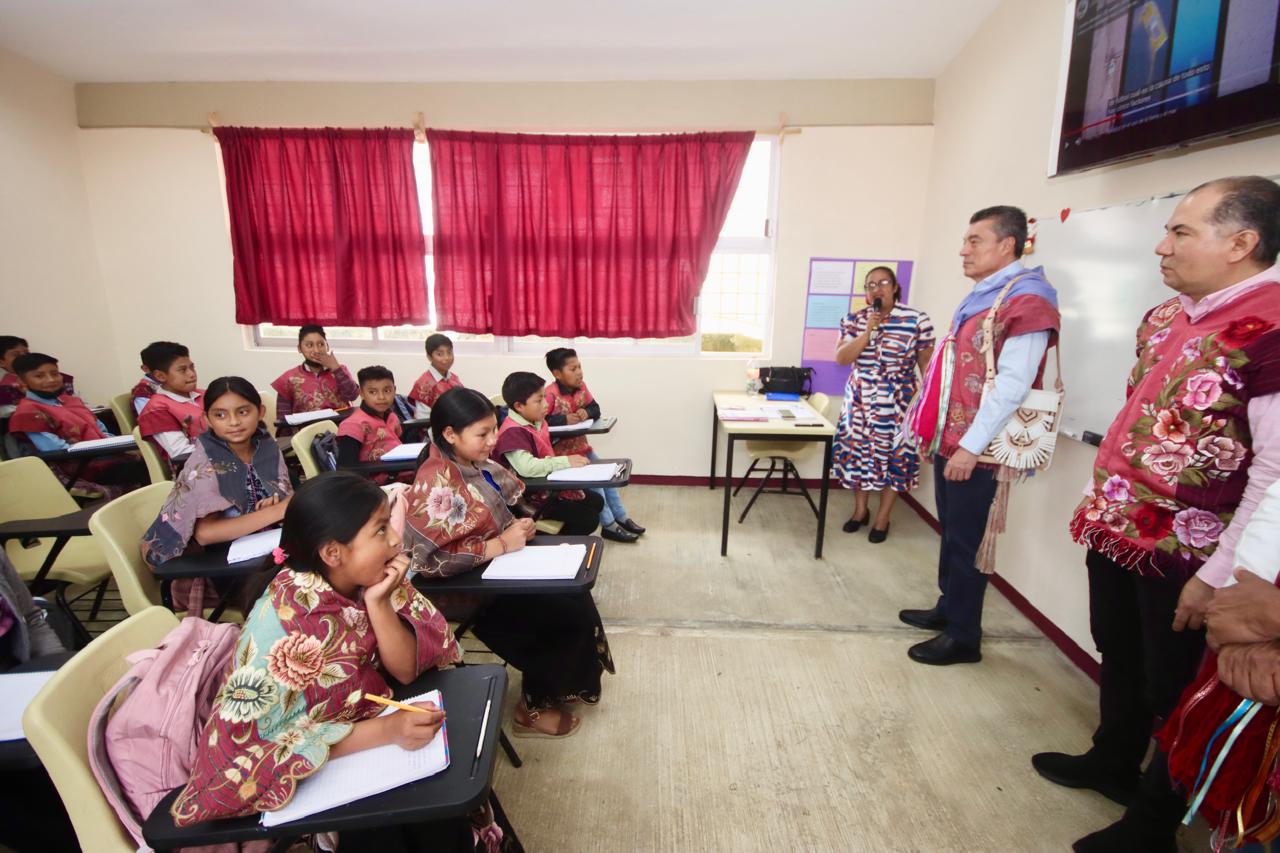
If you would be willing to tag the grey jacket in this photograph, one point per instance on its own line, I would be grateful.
(31, 636)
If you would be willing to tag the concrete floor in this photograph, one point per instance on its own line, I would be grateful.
(764, 702)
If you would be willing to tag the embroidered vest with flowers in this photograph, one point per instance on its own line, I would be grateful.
(165, 414)
(560, 403)
(375, 435)
(1174, 463)
(1020, 315)
(309, 391)
(428, 389)
(72, 421)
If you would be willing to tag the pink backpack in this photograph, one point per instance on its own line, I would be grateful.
(147, 747)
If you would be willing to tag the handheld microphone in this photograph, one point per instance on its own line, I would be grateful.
(876, 306)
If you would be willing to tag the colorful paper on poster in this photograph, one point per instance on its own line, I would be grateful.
(826, 312)
(831, 276)
(820, 344)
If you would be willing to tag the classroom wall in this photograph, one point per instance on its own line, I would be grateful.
(160, 230)
(993, 118)
(53, 293)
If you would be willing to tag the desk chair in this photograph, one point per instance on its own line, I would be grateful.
(158, 469)
(269, 419)
(57, 724)
(782, 457)
(303, 441)
(29, 490)
(122, 408)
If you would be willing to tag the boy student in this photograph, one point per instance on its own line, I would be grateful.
(147, 386)
(11, 346)
(569, 402)
(372, 429)
(320, 382)
(173, 415)
(524, 446)
(51, 418)
(438, 377)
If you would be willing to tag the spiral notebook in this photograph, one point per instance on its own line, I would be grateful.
(362, 774)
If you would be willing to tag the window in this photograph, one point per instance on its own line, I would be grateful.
(733, 310)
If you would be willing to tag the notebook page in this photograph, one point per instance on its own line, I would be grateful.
(543, 562)
(567, 427)
(362, 774)
(307, 417)
(599, 472)
(109, 441)
(254, 545)
(403, 452)
(17, 690)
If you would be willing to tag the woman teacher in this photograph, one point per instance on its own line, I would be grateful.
(886, 343)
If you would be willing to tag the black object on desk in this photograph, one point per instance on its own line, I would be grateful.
(449, 795)
(212, 563)
(61, 528)
(542, 484)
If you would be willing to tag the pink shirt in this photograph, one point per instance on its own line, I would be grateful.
(1264, 425)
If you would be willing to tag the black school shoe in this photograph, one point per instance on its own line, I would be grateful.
(1085, 771)
(617, 534)
(853, 524)
(943, 651)
(629, 524)
(875, 537)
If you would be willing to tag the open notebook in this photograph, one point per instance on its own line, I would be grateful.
(362, 774)
(570, 427)
(109, 441)
(254, 545)
(542, 562)
(18, 689)
(403, 451)
(307, 417)
(598, 472)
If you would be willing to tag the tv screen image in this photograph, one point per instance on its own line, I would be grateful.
(1143, 75)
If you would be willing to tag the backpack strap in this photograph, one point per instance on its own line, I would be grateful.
(989, 343)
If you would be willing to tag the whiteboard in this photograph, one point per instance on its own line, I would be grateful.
(1107, 275)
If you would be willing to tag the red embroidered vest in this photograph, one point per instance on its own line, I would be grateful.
(1174, 464)
(514, 436)
(72, 421)
(563, 404)
(428, 389)
(165, 414)
(375, 435)
(1020, 315)
(309, 391)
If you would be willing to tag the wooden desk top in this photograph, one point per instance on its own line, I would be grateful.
(773, 426)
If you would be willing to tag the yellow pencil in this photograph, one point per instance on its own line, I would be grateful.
(592, 555)
(391, 703)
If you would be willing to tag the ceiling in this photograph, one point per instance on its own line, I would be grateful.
(489, 40)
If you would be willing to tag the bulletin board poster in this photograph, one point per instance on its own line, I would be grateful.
(836, 290)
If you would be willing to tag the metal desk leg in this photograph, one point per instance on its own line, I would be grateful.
(715, 434)
(728, 485)
(822, 501)
(510, 750)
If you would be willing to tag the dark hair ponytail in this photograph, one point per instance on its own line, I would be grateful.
(224, 385)
(458, 408)
(331, 507)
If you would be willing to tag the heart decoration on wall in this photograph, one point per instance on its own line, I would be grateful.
(1066, 211)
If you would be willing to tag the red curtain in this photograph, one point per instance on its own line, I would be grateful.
(325, 226)
(601, 236)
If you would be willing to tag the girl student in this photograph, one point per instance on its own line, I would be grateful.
(340, 620)
(460, 515)
(234, 483)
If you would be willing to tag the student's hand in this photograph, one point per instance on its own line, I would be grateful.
(266, 502)
(411, 730)
(576, 461)
(1252, 670)
(572, 418)
(1248, 612)
(329, 360)
(1193, 602)
(514, 536)
(960, 466)
(392, 576)
(873, 320)
(582, 415)
(527, 525)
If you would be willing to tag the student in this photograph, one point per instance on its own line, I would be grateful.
(372, 429)
(173, 416)
(460, 516)
(320, 382)
(11, 391)
(234, 484)
(524, 446)
(50, 418)
(569, 402)
(338, 622)
(147, 386)
(438, 377)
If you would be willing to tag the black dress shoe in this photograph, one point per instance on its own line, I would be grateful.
(853, 524)
(1127, 836)
(629, 524)
(877, 536)
(943, 651)
(929, 620)
(1085, 771)
(617, 534)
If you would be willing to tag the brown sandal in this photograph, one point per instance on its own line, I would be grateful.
(567, 725)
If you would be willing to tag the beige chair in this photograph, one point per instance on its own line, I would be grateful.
(29, 490)
(56, 724)
(269, 404)
(782, 457)
(497, 400)
(158, 470)
(126, 415)
(302, 441)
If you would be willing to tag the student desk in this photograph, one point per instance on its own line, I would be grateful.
(542, 484)
(82, 458)
(599, 427)
(447, 796)
(368, 469)
(61, 528)
(211, 563)
(770, 430)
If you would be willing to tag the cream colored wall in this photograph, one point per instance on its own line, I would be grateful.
(165, 255)
(52, 291)
(993, 117)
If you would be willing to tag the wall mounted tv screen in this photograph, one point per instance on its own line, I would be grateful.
(1149, 74)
